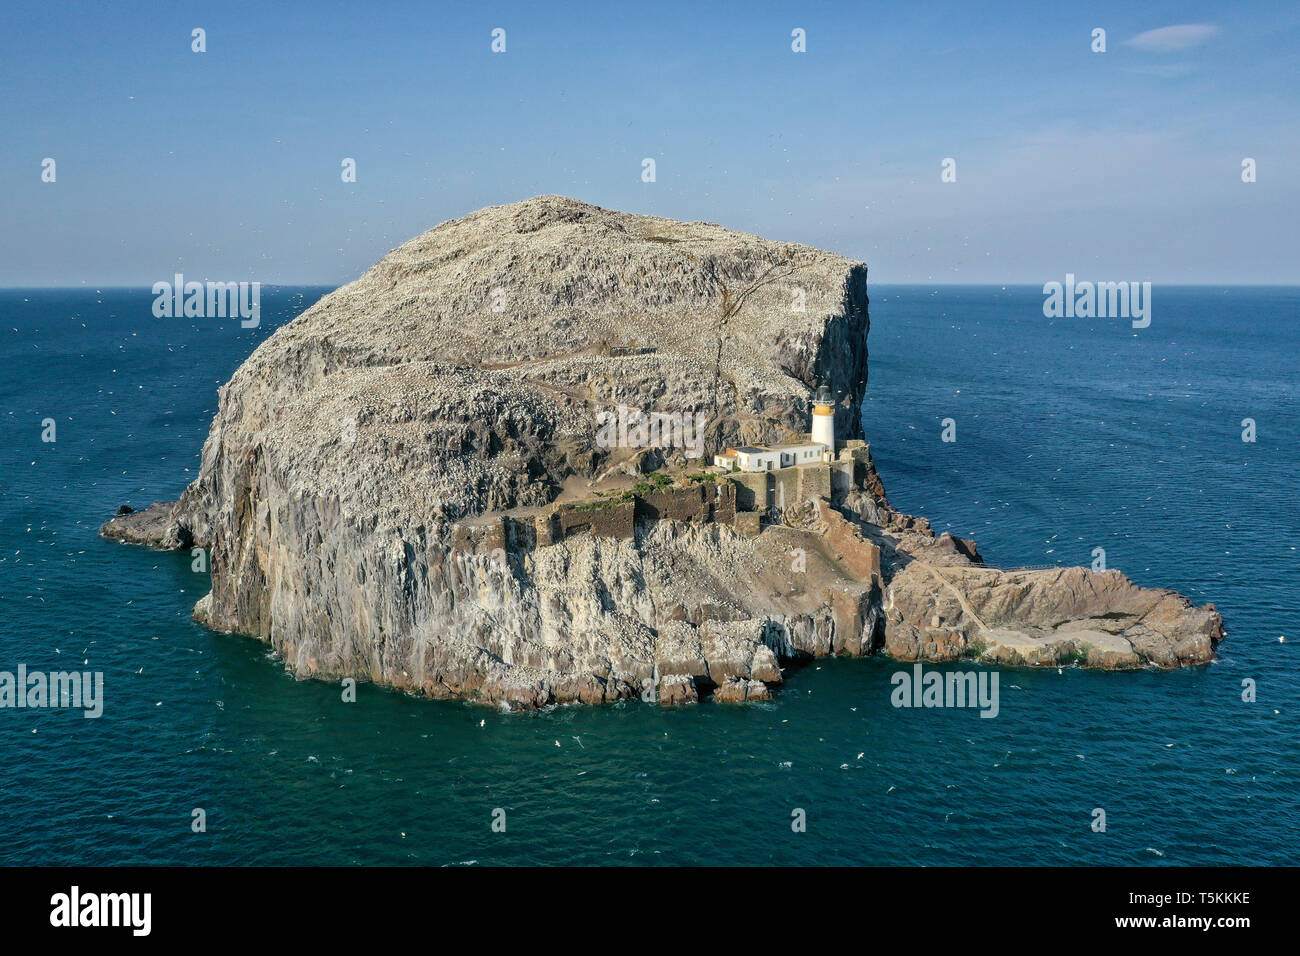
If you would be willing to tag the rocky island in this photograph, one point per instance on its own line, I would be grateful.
(409, 483)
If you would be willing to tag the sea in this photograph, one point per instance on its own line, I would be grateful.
(1065, 436)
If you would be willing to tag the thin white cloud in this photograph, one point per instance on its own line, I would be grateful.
(1182, 36)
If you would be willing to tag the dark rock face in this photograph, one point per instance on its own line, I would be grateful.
(157, 526)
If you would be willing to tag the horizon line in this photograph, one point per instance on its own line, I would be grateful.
(981, 285)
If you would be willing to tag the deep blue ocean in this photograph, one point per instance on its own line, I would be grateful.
(1071, 434)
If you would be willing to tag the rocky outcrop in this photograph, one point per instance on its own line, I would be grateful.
(940, 605)
(388, 488)
(677, 689)
(157, 526)
(737, 690)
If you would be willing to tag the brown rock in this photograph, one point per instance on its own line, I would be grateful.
(677, 689)
(737, 690)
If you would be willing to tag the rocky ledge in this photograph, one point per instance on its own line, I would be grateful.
(405, 484)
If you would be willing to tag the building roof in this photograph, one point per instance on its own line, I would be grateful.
(749, 450)
(798, 444)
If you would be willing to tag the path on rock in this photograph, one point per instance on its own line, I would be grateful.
(961, 598)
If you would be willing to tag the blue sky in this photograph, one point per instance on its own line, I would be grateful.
(225, 164)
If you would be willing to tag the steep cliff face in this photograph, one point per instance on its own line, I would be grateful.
(371, 484)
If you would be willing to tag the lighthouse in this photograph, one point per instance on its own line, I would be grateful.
(823, 419)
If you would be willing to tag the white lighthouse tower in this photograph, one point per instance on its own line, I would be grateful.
(823, 419)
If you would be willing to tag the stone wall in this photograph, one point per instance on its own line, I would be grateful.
(701, 503)
(854, 553)
(546, 529)
(785, 488)
(763, 491)
(480, 537)
(842, 482)
(601, 519)
(751, 490)
(814, 481)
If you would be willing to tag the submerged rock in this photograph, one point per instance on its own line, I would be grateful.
(393, 486)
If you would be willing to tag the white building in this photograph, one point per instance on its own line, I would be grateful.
(750, 458)
(800, 453)
(771, 457)
(819, 447)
